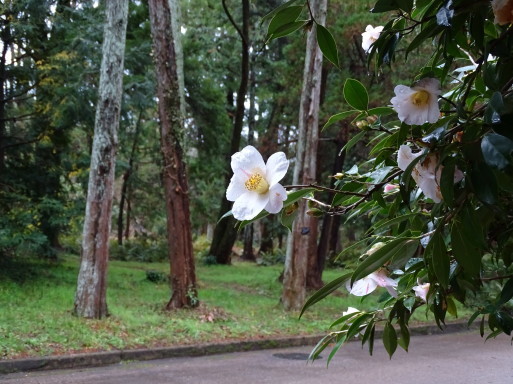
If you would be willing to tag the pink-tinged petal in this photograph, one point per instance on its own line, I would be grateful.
(246, 162)
(235, 189)
(430, 84)
(392, 291)
(248, 205)
(277, 166)
(458, 175)
(390, 187)
(363, 287)
(405, 156)
(277, 195)
(433, 112)
(382, 280)
(422, 291)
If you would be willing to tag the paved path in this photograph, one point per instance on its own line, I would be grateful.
(457, 358)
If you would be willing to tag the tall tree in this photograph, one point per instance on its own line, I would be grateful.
(225, 232)
(302, 242)
(90, 299)
(166, 43)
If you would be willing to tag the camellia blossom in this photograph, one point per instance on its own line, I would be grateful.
(350, 310)
(390, 187)
(426, 173)
(254, 184)
(503, 11)
(370, 35)
(418, 104)
(369, 283)
(422, 290)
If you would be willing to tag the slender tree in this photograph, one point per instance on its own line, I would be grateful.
(225, 232)
(90, 299)
(164, 15)
(302, 242)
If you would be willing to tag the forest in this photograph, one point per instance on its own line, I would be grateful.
(125, 125)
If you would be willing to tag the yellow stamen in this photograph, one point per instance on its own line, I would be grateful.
(257, 183)
(420, 98)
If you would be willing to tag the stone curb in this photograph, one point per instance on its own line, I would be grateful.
(97, 359)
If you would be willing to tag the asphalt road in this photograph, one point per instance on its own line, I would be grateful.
(451, 358)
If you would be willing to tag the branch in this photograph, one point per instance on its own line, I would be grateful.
(239, 31)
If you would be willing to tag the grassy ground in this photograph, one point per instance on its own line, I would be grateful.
(237, 302)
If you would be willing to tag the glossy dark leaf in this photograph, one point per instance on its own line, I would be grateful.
(339, 116)
(467, 254)
(484, 183)
(327, 44)
(271, 14)
(497, 150)
(325, 291)
(283, 17)
(506, 293)
(437, 254)
(389, 339)
(289, 28)
(356, 95)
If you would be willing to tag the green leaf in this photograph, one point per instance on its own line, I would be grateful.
(506, 293)
(447, 183)
(356, 95)
(276, 10)
(289, 28)
(392, 5)
(350, 144)
(381, 111)
(404, 340)
(327, 44)
(497, 150)
(321, 346)
(440, 262)
(467, 254)
(283, 17)
(379, 257)
(389, 339)
(325, 291)
(337, 117)
(287, 218)
(484, 183)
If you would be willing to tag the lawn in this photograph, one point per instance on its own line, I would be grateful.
(237, 302)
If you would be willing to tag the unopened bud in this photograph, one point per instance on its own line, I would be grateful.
(289, 210)
(338, 176)
(372, 119)
(362, 124)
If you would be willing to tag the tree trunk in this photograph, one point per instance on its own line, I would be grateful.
(126, 176)
(330, 224)
(247, 253)
(90, 299)
(225, 232)
(302, 242)
(166, 35)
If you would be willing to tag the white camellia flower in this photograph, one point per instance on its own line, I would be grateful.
(418, 104)
(370, 35)
(422, 290)
(350, 310)
(426, 173)
(369, 283)
(254, 184)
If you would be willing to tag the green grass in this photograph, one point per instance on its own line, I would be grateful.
(237, 302)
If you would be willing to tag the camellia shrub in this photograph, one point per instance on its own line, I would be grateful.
(438, 184)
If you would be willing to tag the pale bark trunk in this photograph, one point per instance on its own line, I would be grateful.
(302, 242)
(90, 298)
(164, 29)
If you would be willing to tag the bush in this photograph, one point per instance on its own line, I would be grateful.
(140, 249)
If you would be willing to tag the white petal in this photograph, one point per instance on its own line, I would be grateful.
(248, 205)
(382, 279)
(458, 175)
(277, 166)
(433, 112)
(405, 156)
(363, 287)
(430, 84)
(277, 195)
(235, 189)
(246, 161)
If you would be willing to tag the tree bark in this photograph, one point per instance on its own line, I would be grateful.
(164, 29)
(124, 186)
(302, 242)
(225, 233)
(90, 298)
